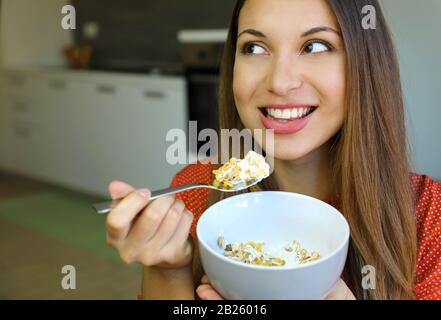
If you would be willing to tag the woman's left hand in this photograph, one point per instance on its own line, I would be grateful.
(340, 291)
(206, 292)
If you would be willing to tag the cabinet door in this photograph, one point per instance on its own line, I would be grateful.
(23, 130)
(87, 136)
(67, 106)
(159, 111)
(126, 129)
(4, 131)
(10, 84)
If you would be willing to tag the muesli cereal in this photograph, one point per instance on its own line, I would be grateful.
(252, 167)
(252, 252)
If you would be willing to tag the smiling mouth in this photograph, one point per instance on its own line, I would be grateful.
(287, 114)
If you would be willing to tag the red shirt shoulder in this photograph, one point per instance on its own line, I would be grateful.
(196, 200)
(427, 194)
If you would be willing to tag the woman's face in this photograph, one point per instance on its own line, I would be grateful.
(290, 61)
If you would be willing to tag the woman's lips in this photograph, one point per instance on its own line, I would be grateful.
(284, 127)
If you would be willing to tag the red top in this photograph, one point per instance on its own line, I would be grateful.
(428, 194)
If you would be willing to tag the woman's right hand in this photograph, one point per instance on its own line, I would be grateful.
(154, 233)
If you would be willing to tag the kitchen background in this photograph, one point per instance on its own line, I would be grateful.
(66, 133)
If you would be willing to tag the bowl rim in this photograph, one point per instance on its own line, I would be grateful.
(328, 256)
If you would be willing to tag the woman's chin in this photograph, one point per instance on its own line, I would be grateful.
(289, 153)
(289, 156)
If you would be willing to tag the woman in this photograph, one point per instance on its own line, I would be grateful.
(331, 91)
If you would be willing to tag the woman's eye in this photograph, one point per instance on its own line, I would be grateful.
(316, 47)
(253, 48)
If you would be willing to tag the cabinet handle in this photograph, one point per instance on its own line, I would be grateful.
(22, 107)
(154, 94)
(105, 89)
(16, 80)
(57, 84)
(22, 131)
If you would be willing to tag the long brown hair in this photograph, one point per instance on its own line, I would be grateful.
(370, 153)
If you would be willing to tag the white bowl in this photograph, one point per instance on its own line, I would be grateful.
(276, 218)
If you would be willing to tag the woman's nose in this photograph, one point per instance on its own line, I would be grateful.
(284, 76)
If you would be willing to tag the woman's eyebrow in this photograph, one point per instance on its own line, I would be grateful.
(260, 34)
(253, 32)
(320, 29)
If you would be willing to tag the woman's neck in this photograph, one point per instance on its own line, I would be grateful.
(310, 175)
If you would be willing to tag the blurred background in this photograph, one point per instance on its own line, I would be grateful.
(82, 107)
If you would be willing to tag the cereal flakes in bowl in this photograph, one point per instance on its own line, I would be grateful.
(272, 245)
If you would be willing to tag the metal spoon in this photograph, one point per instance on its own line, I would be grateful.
(105, 207)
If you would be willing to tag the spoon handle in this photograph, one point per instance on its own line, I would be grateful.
(107, 206)
(172, 190)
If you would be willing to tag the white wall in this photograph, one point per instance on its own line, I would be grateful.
(416, 28)
(31, 33)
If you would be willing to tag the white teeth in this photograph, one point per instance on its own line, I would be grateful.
(271, 112)
(288, 114)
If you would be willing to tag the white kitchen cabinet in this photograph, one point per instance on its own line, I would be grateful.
(22, 128)
(143, 118)
(82, 130)
(5, 124)
(58, 106)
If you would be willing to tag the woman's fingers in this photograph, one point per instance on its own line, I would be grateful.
(150, 220)
(139, 245)
(120, 218)
(119, 189)
(207, 292)
(179, 248)
(340, 291)
(179, 239)
(205, 280)
(168, 225)
(155, 233)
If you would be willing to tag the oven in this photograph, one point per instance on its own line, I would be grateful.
(201, 56)
(202, 93)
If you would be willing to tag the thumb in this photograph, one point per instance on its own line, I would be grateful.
(118, 189)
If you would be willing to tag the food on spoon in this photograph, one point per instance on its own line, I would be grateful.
(235, 171)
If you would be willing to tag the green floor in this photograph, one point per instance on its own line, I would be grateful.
(61, 215)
